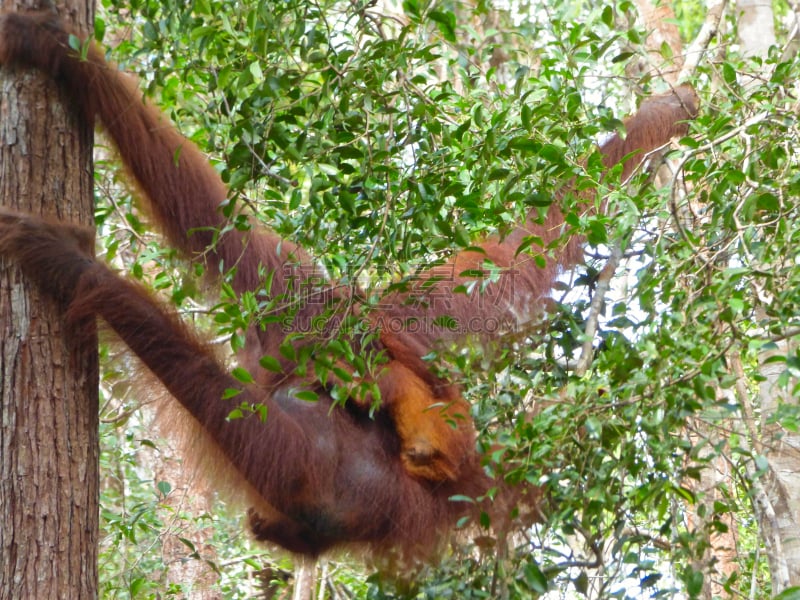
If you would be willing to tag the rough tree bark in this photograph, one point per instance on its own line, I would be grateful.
(777, 495)
(775, 491)
(756, 27)
(48, 382)
(660, 23)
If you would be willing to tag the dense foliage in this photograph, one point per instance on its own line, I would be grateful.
(382, 138)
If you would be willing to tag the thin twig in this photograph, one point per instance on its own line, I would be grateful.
(601, 289)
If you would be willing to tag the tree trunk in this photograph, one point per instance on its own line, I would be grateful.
(756, 27)
(660, 23)
(48, 379)
(778, 507)
(305, 578)
(776, 490)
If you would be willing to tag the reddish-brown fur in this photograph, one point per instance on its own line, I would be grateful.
(322, 477)
(330, 476)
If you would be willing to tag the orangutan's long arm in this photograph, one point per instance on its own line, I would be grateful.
(318, 476)
(436, 308)
(57, 259)
(182, 189)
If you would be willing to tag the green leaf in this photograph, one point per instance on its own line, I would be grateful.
(694, 582)
(608, 16)
(230, 393)
(622, 57)
(242, 374)
(270, 363)
(581, 583)
(306, 396)
(534, 577)
(791, 593)
(256, 72)
(729, 73)
(446, 22)
(75, 43)
(164, 488)
(136, 586)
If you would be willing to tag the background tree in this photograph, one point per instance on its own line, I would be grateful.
(656, 407)
(48, 377)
